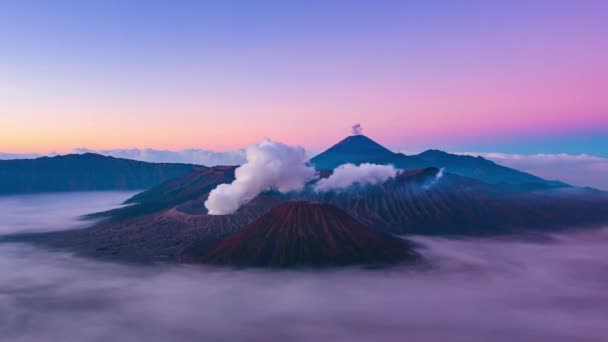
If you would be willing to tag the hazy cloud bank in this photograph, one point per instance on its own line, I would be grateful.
(7, 156)
(580, 170)
(347, 175)
(54, 211)
(477, 290)
(187, 156)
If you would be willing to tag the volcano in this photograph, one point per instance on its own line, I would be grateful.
(307, 234)
(170, 223)
(357, 149)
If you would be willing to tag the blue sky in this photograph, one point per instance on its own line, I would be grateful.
(488, 76)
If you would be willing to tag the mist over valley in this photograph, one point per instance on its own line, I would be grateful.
(471, 289)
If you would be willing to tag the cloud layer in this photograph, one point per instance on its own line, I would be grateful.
(347, 175)
(188, 156)
(270, 165)
(31, 213)
(580, 170)
(7, 156)
(485, 289)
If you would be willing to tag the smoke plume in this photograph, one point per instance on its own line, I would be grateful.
(357, 129)
(438, 176)
(349, 174)
(270, 165)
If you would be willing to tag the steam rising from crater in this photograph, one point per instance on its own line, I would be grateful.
(438, 176)
(270, 165)
(347, 175)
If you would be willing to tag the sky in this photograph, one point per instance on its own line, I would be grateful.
(486, 76)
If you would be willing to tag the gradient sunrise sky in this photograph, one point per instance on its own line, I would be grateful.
(486, 76)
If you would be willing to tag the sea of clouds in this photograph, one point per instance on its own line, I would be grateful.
(54, 211)
(579, 170)
(546, 289)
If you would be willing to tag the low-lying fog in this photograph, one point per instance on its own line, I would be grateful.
(54, 211)
(479, 290)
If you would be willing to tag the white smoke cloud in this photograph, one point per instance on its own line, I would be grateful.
(438, 176)
(357, 129)
(270, 165)
(349, 174)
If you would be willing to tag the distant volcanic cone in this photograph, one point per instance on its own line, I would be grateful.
(307, 234)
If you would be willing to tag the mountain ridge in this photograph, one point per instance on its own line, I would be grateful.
(421, 201)
(84, 172)
(361, 149)
(357, 149)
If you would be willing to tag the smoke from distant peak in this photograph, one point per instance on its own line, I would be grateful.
(357, 129)
(270, 165)
(349, 174)
(438, 176)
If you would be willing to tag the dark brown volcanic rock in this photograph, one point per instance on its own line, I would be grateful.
(187, 187)
(185, 193)
(307, 234)
(417, 202)
(161, 235)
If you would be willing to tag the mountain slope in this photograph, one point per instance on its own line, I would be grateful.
(306, 234)
(84, 172)
(423, 202)
(187, 187)
(187, 193)
(415, 202)
(357, 149)
(485, 170)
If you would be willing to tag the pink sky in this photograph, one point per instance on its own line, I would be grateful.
(197, 78)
